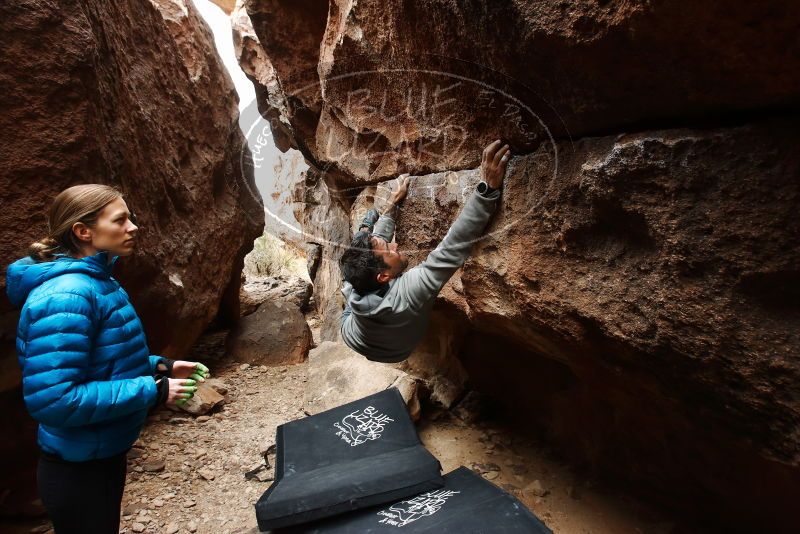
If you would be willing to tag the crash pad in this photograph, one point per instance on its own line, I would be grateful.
(357, 455)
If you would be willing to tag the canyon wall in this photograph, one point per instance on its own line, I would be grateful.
(129, 93)
(636, 297)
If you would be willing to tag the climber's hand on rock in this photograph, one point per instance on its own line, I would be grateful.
(399, 194)
(494, 162)
(180, 390)
(194, 370)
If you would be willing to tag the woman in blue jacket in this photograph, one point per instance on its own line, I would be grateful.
(87, 374)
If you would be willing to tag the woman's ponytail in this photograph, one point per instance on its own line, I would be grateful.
(44, 249)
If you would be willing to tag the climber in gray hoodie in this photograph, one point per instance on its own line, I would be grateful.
(388, 310)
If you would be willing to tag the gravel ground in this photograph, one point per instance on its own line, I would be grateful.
(187, 474)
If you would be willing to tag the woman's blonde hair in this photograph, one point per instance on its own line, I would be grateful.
(79, 203)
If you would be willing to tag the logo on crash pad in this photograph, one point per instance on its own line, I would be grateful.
(362, 426)
(405, 512)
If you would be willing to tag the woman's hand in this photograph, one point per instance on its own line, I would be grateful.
(194, 370)
(179, 391)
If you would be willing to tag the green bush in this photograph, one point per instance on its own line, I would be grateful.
(272, 257)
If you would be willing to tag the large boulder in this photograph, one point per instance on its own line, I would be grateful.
(275, 334)
(90, 99)
(640, 304)
(337, 375)
(637, 297)
(257, 290)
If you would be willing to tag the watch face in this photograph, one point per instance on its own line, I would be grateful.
(482, 187)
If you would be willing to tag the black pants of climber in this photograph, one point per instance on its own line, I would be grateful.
(82, 497)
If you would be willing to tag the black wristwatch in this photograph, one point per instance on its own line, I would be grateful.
(484, 189)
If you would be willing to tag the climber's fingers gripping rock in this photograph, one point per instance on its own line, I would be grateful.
(494, 163)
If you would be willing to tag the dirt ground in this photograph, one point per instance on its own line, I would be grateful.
(187, 474)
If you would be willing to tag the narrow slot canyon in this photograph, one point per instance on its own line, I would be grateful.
(619, 351)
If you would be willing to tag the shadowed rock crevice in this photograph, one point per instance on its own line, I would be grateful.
(626, 426)
(777, 292)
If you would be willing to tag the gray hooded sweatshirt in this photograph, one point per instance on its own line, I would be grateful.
(386, 325)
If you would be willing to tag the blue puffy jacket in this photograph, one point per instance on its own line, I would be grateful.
(87, 373)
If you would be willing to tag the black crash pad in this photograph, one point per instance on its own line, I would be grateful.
(466, 504)
(361, 454)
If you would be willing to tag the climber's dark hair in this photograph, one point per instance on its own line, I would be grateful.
(360, 265)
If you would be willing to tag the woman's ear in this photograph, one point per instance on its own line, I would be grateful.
(383, 277)
(82, 232)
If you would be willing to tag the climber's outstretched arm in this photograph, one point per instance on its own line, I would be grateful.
(423, 282)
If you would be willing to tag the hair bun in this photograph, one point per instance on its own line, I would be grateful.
(45, 243)
(43, 249)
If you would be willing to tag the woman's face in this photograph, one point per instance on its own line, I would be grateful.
(114, 231)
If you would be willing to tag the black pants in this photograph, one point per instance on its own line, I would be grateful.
(82, 497)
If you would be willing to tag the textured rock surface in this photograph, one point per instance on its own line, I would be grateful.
(279, 204)
(275, 334)
(435, 361)
(205, 399)
(257, 290)
(286, 49)
(337, 375)
(656, 274)
(324, 215)
(129, 93)
(637, 298)
(405, 90)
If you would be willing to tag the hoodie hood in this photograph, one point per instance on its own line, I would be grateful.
(25, 274)
(370, 304)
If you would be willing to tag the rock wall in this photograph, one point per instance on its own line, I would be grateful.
(644, 312)
(129, 93)
(636, 299)
(640, 308)
(367, 95)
